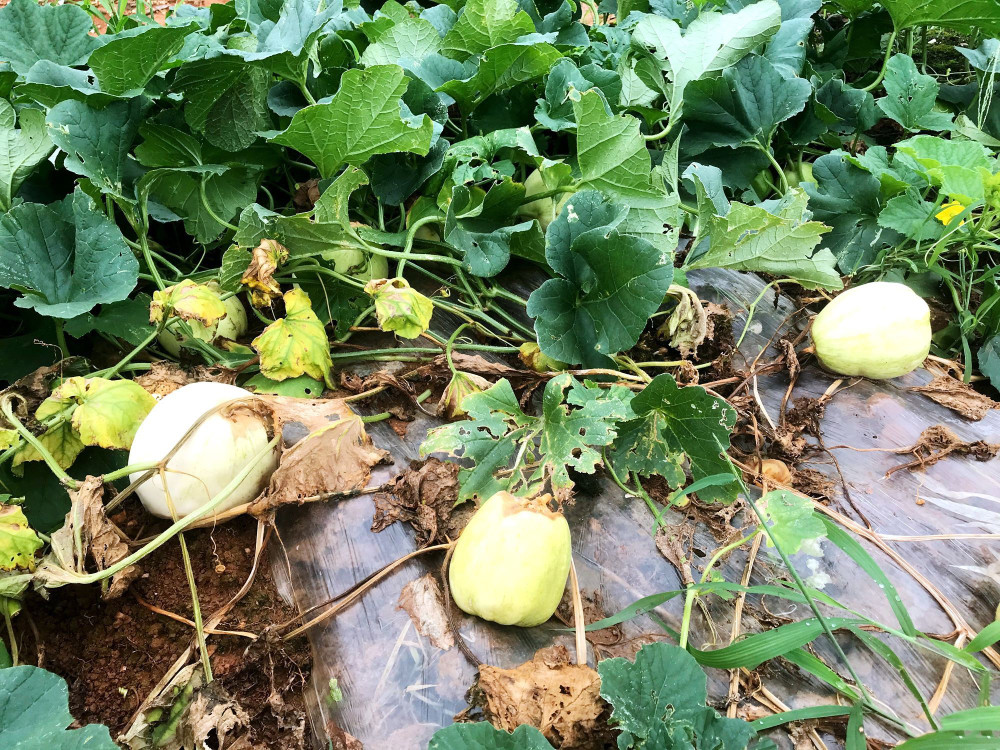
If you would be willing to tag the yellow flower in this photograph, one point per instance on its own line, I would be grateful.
(949, 211)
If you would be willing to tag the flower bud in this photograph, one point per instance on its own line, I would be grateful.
(400, 308)
(462, 384)
(878, 330)
(511, 562)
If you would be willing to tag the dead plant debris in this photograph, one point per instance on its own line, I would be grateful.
(960, 397)
(936, 443)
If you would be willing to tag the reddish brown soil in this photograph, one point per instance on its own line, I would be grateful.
(113, 654)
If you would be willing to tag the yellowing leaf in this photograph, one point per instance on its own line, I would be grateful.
(60, 440)
(188, 301)
(108, 412)
(400, 308)
(18, 542)
(7, 439)
(296, 344)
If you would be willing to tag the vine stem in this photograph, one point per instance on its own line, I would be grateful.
(410, 236)
(178, 526)
(728, 548)
(25, 433)
(885, 62)
(208, 208)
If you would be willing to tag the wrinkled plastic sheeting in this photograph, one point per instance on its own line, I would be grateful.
(398, 688)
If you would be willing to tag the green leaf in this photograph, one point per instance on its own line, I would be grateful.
(484, 24)
(48, 84)
(225, 99)
(988, 358)
(912, 216)
(409, 40)
(65, 258)
(477, 225)
(284, 39)
(97, 142)
(910, 97)
(658, 702)
(127, 320)
(712, 42)
(18, 542)
(611, 282)
(555, 111)
(613, 158)
(295, 344)
(21, 149)
(673, 428)
(363, 119)
(31, 31)
(576, 418)
(107, 413)
(484, 736)
(742, 107)
(127, 61)
(34, 711)
(969, 16)
(178, 190)
(301, 387)
(778, 239)
(502, 68)
(791, 520)
(848, 199)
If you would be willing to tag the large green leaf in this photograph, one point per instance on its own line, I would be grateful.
(775, 238)
(32, 31)
(849, 199)
(910, 97)
(555, 111)
(484, 24)
(48, 84)
(673, 428)
(364, 118)
(227, 193)
(611, 282)
(21, 149)
(613, 158)
(969, 16)
(225, 99)
(478, 226)
(501, 68)
(742, 107)
(290, 33)
(127, 61)
(34, 714)
(97, 142)
(484, 736)
(65, 258)
(409, 40)
(711, 43)
(658, 701)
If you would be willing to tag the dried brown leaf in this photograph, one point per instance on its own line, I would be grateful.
(937, 442)
(673, 543)
(958, 396)
(423, 602)
(424, 496)
(166, 377)
(306, 194)
(326, 452)
(438, 367)
(100, 541)
(687, 326)
(557, 697)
